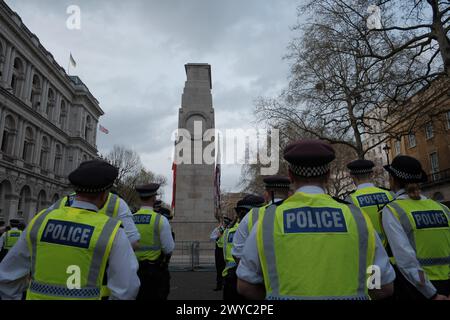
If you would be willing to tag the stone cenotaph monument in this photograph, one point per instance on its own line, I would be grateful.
(194, 182)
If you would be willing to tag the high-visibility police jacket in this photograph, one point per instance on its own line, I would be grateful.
(67, 245)
(371, 200)
(253, 217)
(149, 225)
(11, 238)
(219, 241)
(427, 225)
(111, 207)
(313, 247)
(227, 247)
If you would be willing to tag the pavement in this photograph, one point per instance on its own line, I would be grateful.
(193, 285)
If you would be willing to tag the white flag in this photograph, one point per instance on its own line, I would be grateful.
(72, 61)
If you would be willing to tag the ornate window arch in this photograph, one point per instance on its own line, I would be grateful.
(51, 101)
(9, 135)
(36, 92)
(45, 150)
(18, 76)
(28, 145)
(58, 160)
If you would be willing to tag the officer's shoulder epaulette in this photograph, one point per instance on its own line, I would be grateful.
(341, 201)
(353, 191)
(383, 188)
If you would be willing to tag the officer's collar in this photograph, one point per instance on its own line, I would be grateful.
(147, 208)
(311, 190)
(402, 194)
(365, 185)
(84, 205)
(275, 200)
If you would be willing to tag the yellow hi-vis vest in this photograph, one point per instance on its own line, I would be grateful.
(371, 200)
(427, 225)
(253, 217)
(149, 225)
(68, 240)
(11, 238)
(111, 207)
(228, 236)
(312, 247)
(219, 241)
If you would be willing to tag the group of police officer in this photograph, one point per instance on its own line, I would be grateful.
(90, 246)
(305, 244)
(376, 244)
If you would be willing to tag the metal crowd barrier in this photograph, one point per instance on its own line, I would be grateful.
(193, 256)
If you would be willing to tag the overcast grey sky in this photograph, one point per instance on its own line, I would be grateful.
(131, 54)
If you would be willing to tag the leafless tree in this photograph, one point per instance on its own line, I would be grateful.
(335, 82)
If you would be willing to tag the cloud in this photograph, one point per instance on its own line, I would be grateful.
(131, 55)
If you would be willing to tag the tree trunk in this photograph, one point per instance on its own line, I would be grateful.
(441, 36)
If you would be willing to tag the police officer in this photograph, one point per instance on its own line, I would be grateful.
(311, 246)
(418, 233)
(114, 207)
(73, 242)
(168, 215)
(9, 238)
(219, 260)
(369, 198)
(276, 189)
(155, 248)
(229, 273)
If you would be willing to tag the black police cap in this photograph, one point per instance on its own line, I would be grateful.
(309, 158)
(147, 190)
(93, 176)
(359, 167)
(250, 201)
(406, 169)
(277, 182)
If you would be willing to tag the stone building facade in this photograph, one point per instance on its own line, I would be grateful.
(429, 137)
(48, 122)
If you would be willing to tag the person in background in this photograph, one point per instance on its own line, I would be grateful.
(418, 234)
(9, 238)
(217, 237)
(276, 190)
(156, 246)
(369, 198)
(229, 273)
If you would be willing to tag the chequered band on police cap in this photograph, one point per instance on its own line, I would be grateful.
(405, 175)
(92, 190)
(278, 185)
(361, 171)
(310, 171)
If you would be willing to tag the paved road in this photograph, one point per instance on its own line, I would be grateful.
(194, 286)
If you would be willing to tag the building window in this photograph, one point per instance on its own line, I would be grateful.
(50, 104)
(88, 129)
(36, 93)
(397, 147)
(412, 140)
(434, 161)
(429, 132)
(43, 163)
(28, 146)
(63, 115)
(9, 134)
(2, 59)
(58, 160)
(17, 77)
